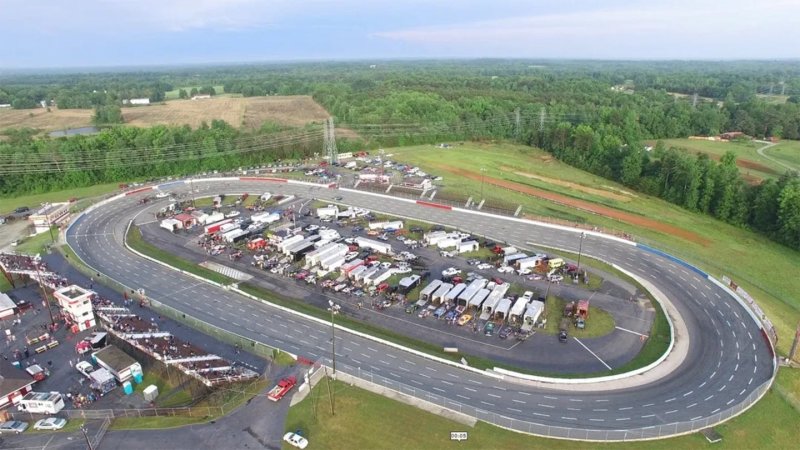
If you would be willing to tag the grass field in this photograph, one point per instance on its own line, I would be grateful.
(134, 239)
(367, 420)
(8, 204)
(599, 323)
(249, 112)
(33, 245)
(40, 119)
(720, 250)
(752, 165)
(787, 152)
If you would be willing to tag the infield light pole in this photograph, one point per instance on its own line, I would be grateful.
(580, 250)
(483, 175)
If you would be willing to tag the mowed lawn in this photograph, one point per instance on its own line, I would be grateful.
(787, 152)
(365, 420)
(752, 165)
(8, 204)
(754, 262)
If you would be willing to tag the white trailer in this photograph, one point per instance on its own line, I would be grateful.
(426, 292)
(471, 290)
(265, 217)
(41, 403)
(438, 296)
(332, 262)
(233, 235)
(511, 259)
(211, 218)
(528, 263)
(532, 315)
(356, 273)
(493, 299)
(453, 294)
(393, 225)
(477, 300)
(518, 310)
(288, 242)
(171, 224)
(380, 247)
(325, 251)
(502, 308)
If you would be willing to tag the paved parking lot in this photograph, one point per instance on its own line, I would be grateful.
(540, 352)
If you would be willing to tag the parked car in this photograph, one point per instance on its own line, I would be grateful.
(562, 336)
(84, 367)
(295, 440)
(162, 194)
(488, 329)
(505, 269)
(450, 272)
(484, 266)
(464, 319)
(555, 278)
(51, 423)
(580, 323)
(450, 315)
(504, 332)
(411, 309)
(439, 312)
(13, 426)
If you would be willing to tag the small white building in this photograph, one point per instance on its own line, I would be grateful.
(288, 242)
(380, 247)
(137, 101)
(315, 257)
(7, 306)
(171, 224)
(76, 304)
(467, 246)
(122, 366)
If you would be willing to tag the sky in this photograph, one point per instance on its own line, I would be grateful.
(86, 33)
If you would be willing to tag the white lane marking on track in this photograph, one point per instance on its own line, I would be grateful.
(593, 353)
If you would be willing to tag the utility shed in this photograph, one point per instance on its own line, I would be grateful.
(7, 306)
(117, 362)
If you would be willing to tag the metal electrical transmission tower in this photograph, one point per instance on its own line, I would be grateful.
(330, 142)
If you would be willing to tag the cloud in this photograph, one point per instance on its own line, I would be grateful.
(706, 21)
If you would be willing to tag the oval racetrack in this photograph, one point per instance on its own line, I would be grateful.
(728, 363)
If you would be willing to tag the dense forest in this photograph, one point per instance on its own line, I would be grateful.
(593, 115)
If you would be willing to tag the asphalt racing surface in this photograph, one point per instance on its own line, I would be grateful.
(728, 358)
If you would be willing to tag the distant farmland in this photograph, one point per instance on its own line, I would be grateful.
(248, 112)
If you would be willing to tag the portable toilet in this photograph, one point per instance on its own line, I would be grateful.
(150, 393)
(94, 359)
(127, 388)
(136, 373)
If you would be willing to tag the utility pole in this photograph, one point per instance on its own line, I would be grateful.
(580, 250)
(46, 296)
(516, 124)
(333, 336)
(330, 142)
(330, 393)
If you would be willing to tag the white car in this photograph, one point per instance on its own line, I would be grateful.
(350, 256)
(84, 367)
(524, 272)
(505, 269)
(555, 278)
(162, 194)
(232, 214)
(404, 269)
(386, 265)
(484, 266)
(451, 272)
(51, 423)
(295, 440)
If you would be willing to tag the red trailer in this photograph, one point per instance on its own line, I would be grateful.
(214, 227)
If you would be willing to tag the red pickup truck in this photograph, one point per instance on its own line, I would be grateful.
(282, 388)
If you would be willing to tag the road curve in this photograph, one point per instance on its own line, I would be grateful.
(728, 358)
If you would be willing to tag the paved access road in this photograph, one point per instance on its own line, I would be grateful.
(727, 356)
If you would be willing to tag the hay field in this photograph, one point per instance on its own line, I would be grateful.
(250, 112)
(40, 119)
